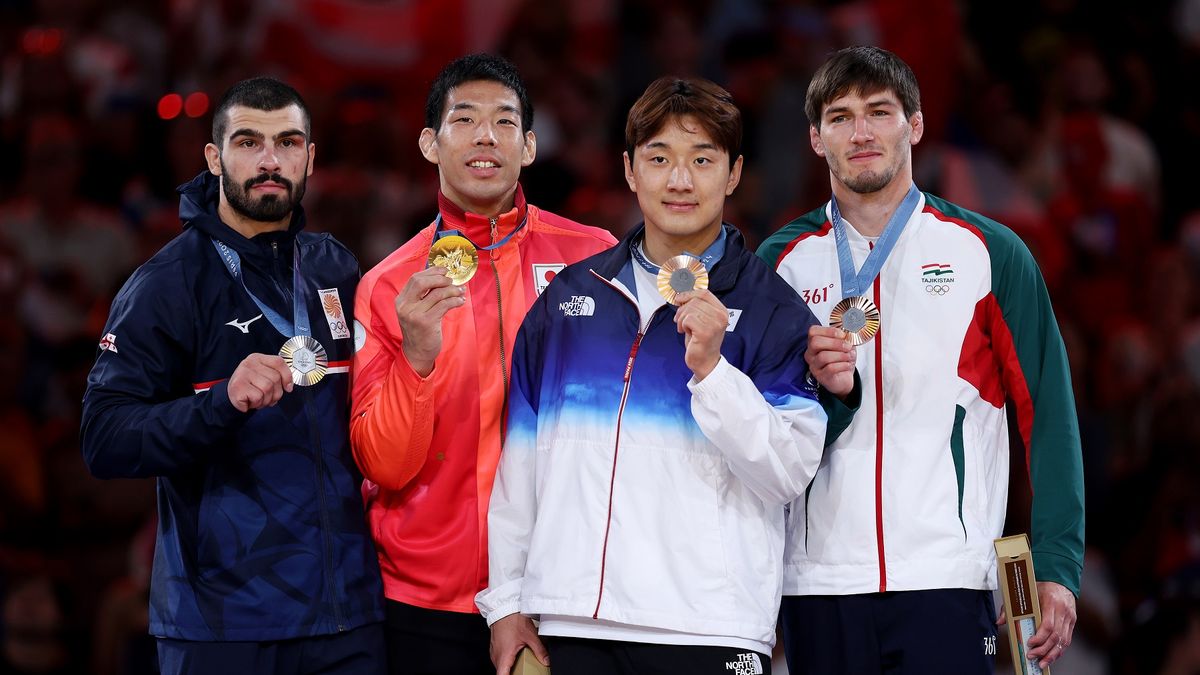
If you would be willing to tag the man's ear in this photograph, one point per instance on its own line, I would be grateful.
(427, 141)
(312, 155)
(735, 176)
(629, 177)
(814, 139)
(530, 149)
(212, 155)
(918, 128)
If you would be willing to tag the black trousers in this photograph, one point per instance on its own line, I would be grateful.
(934, 631)
(433, 642)
(579, 656)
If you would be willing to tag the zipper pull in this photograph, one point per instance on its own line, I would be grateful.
(494, 223)
(275, 249)
(637, 340)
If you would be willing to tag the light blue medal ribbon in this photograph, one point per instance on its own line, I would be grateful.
(304, 356)
(438, 233)
(709, 257)
(854, 285)
(299, 325)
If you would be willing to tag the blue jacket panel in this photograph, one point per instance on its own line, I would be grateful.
(586, 356)
(261, 534)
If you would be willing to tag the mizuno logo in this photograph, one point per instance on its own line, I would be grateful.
(244, 326)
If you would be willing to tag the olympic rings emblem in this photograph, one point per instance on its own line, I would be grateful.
(937, 289)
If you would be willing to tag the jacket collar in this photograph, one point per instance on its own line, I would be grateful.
(198, 200)
(478, 228)
(721, 278)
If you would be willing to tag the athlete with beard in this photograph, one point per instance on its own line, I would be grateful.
(889, 564)
(224, 372)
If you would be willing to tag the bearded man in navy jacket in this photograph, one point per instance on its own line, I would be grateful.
(223, 372)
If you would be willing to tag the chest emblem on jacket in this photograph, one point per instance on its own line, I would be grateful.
(243, 326)
(578, 305)
(544, 273)
(331, 303)
(937, 278)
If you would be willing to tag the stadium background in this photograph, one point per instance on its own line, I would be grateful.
(1076, 123)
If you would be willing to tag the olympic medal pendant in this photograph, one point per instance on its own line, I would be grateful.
(857, 315)
(681, 274)
(306, 358)
(458, 255)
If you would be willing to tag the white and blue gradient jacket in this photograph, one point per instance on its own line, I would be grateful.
(628, 493)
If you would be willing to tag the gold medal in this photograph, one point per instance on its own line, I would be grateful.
(306, 358)
(857, 315)
(458, 255)
(681, 274)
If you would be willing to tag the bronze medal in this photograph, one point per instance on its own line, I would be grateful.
(859, 316)
(681, 274)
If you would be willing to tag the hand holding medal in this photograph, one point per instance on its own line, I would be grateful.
(457, 255)
(683, 282)
(259, 381)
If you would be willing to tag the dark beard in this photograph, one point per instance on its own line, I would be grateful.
(268, 208)
(869, 182)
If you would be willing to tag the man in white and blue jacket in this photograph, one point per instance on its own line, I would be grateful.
(638, 510)
(263, 563)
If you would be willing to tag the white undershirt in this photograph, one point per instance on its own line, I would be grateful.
(648, 297)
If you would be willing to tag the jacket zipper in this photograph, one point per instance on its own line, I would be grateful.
(322, 503)
(612, 481)
(278, 273)
(500, 322)
(879, 449)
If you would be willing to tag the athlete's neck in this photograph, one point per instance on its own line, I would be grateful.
(868, 213)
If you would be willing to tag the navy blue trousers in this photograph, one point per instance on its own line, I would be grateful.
(935, 631)
(580, 656)
(357, 652)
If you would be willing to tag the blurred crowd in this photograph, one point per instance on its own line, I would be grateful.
(1072, 125)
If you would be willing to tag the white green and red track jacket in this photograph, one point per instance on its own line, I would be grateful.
(911, 495)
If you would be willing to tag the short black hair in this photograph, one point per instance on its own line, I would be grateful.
(259, 93)
(863, 71)
(471, 68)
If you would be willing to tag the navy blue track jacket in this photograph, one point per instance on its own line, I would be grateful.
(261, 534)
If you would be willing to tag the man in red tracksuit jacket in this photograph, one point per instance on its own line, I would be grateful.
(430, 375)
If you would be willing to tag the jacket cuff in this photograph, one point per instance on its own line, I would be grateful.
(839, 412)
(711, 384)
(409, 375)
(222, 412)
(496, 603)
(1060, 569)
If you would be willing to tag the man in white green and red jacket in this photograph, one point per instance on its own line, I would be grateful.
(889, 558)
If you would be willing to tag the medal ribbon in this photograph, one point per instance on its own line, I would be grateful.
(854, 285)
(299, 325)
(438, 233)
(711, 255)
